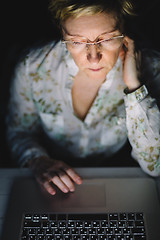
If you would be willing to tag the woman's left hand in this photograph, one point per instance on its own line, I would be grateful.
(129, 59)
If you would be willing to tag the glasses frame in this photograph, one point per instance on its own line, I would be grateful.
(97, 43)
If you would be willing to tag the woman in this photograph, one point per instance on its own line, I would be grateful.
(82, 96)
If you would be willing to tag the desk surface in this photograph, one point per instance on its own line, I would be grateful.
(7, 176)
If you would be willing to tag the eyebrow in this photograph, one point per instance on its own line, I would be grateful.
(72, 35)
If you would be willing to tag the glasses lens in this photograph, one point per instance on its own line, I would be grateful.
(76, 45)
(112, 43)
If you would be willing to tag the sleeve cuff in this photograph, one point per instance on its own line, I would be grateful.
(136, 96)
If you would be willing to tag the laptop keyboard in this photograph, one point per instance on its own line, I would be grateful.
(110, 226)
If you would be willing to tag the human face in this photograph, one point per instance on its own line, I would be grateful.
(93, 61)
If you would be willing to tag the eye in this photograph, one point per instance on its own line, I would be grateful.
(108, 40)
(77, 43)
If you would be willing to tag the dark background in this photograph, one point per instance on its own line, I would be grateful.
(27, 22)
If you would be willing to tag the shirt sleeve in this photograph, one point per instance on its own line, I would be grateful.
(143, 125)
(22, 119)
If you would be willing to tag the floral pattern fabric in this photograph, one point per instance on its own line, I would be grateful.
(41, 100)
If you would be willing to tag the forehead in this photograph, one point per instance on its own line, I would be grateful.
(90, 26)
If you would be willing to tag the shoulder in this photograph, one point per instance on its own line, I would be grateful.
(33, 57)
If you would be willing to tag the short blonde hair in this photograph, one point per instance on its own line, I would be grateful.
(61, 10)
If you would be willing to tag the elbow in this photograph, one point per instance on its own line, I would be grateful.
(151, 169)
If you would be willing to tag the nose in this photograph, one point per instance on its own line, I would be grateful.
(93, 54)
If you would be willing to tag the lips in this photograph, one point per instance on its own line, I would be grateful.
(96, 69)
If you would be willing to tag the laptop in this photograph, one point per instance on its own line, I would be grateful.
(99, 209)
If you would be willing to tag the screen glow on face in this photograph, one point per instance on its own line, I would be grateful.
(104, 41)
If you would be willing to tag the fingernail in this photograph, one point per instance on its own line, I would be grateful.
(53, 192)
(79, 180)
(72, 190)
(65, 190)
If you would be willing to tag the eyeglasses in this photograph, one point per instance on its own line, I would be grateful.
(110, 43)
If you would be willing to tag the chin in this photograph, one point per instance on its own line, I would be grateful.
(101, 76)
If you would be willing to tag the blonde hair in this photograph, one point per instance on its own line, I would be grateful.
(61, 10)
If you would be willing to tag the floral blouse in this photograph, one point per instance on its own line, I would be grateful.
(41, 101)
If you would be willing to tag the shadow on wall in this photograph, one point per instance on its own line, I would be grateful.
(28, 22)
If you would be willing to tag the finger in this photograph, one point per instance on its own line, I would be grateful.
(70, 172)
(49, 188)
(73, 175)
(60, 184)
(67, 181)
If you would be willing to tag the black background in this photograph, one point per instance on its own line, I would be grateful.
(26, 22)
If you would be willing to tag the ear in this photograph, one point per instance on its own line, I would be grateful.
(125, 43)
(122, 53)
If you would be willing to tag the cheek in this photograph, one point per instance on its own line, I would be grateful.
(110, 57)
(79, 59)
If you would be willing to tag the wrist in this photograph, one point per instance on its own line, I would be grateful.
(132, 87)
(32, 163)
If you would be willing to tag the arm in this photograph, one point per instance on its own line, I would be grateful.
(143, 124)
(24, 133)
(142, 116)
(22, 119)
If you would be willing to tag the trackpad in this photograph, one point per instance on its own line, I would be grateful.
(90, 194)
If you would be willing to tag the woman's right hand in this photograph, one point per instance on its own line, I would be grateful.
(50, 172)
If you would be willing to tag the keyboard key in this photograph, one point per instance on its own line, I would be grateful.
(67, 237)
(104, 224)
(45, 224)
(131, 216)
(44, 217)
(127, 231)
(67, 231)
(113, 216)
(36, 217)
(121, 224)
(79, 224)
(129, 237)
(123, 216)
(54, 224)
(76, 237)
(118, 231)
(139, 237)
(88, 224)
(96, 224)
(83, 231)
(91, 217)
(120, 237)
(41, 238)
(94, 237)
(85, 237)
(139, 216)
(102, 237)
(100, 231)
(71, 224)
(138, 231)
(32, 224)
(49, 231)
(28, 216)
(113, 224)
(139, 223)
(130, 224)
(111, 237)
(92, 231)
(109, 231)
